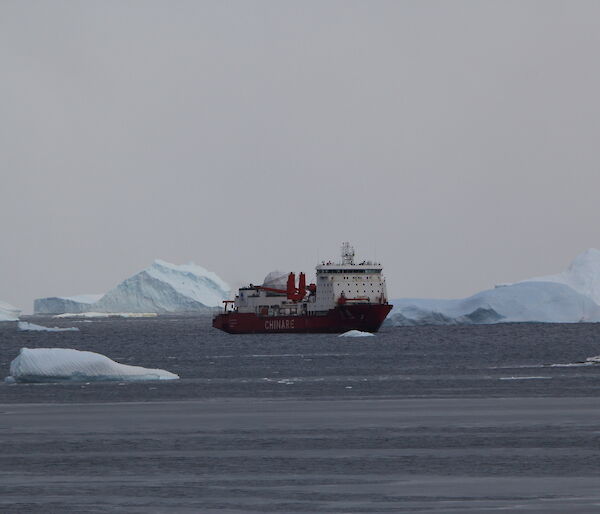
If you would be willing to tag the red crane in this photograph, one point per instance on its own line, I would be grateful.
(295, 294)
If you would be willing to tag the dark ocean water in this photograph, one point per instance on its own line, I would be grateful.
(415, 419)
(452, 361)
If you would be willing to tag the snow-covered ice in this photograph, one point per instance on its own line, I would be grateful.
(8, 312)
(32, 327)
(65, 364)
(160, 288)
(356, 333)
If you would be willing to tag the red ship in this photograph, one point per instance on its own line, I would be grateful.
(346, 296)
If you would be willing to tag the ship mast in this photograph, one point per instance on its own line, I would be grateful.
(347, 253)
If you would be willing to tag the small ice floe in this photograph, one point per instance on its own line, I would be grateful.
(590, 361)
(32, 327)
(525, 378)
(107, 315)
(65, 364)
(356, 333)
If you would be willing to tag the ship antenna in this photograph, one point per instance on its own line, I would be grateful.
(347, 253)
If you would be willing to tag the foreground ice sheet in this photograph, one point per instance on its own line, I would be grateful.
(32, 327)
(60, 364)
(8, 312)
(356, 333)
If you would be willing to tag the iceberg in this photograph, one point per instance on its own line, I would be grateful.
(356, 333)
(59, 304)
(525, 301)
(567, 297)
(8, 312)
(161, 288)
(65, 364)
(32, 327)
(582, 275)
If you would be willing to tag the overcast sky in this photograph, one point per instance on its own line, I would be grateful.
(455, 141)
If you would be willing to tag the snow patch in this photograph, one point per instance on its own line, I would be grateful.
(65, 364)
(356, 333)
(32, 327)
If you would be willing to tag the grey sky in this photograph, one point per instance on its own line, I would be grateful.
(459, 141)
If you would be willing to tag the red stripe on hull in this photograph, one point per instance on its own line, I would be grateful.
(365, 317)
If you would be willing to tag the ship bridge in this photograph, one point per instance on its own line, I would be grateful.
(347, 281)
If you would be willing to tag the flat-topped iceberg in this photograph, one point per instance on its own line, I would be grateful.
(56, 304)
(160, 288)
(356, 333)
(8, 312)
(65, 364)
(32, 327)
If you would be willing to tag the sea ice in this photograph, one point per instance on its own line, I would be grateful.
(32, 327)
(356, 333)
(65, 364)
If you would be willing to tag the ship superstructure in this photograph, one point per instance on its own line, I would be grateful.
(346, 296)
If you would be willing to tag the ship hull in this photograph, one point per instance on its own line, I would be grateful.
(364, 317)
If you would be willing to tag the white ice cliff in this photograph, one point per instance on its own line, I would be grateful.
(58, 364)
(161, 288)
